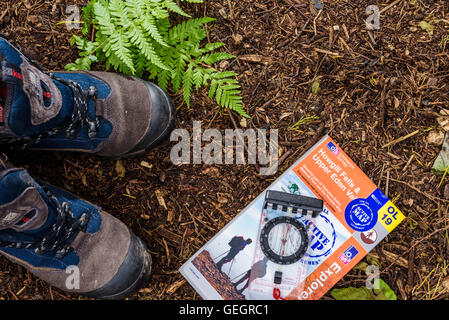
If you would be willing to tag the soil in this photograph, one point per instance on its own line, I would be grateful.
(375, 87)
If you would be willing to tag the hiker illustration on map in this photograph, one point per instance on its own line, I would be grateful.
(237, 244)
(258, 270)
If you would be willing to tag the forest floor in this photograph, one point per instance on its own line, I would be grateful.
(375, 87)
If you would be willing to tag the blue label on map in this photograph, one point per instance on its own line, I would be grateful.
(361, 214)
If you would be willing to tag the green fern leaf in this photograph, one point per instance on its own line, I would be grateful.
(134, 8)
(118, 12)
(225, 74)
(177, 73)
(163, 79)
(187, 84)
(134, 36)
(104, 18)
(175, 8)
(120, 48)
(149, 25)
(198, 77)
(215, 57)
(213, 88)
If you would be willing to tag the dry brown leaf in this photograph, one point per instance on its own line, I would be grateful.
(435, 138)
(120, 169)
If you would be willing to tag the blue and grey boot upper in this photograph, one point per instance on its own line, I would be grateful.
(68, 242)
(104, 113)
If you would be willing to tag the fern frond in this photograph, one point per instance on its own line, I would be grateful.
(175, 8)
(215, 57)
(187, 83)
(104, 19)
(225, 74)
(163, 79)
(198, 77)
(118, 12)
(177, 73)
(120, 48)
(136, 36)
(134, 8)
(187, 28)
(149, 25)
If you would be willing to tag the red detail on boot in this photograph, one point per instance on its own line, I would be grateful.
(17, 75)
(47, 94)
(26, 219)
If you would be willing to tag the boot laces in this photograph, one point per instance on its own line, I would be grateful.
(3, 161)
(80, 115)
(60, 234)
(79, 118)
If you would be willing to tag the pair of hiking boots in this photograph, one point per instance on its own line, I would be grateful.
(51, 232)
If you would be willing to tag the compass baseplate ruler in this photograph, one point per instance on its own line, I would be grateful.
(298, 237)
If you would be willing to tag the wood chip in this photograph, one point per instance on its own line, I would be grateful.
(175, 286)
(256, 58)
(328, 52)
(160, 199)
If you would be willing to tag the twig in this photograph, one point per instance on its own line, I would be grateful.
(433, 198)
(401, 139)
(389, 6)
(415, 244)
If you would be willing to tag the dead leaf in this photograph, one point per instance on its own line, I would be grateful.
(426, 27)
(237, 38)
(435, 138)
(443, 120)
(396, 103)
(120, 169)
(445, 284)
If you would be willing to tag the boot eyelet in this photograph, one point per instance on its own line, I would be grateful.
(92, 91)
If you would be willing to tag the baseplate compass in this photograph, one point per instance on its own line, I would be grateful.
(284, 239)
(285, 228)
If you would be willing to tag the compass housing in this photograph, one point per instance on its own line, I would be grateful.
(278, 257)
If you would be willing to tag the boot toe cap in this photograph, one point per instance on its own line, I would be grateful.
(132, 274)
(163, 117)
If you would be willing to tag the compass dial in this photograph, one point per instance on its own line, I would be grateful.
(284, 240)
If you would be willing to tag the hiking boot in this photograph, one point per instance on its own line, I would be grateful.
(68, 242)
(102, 113)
